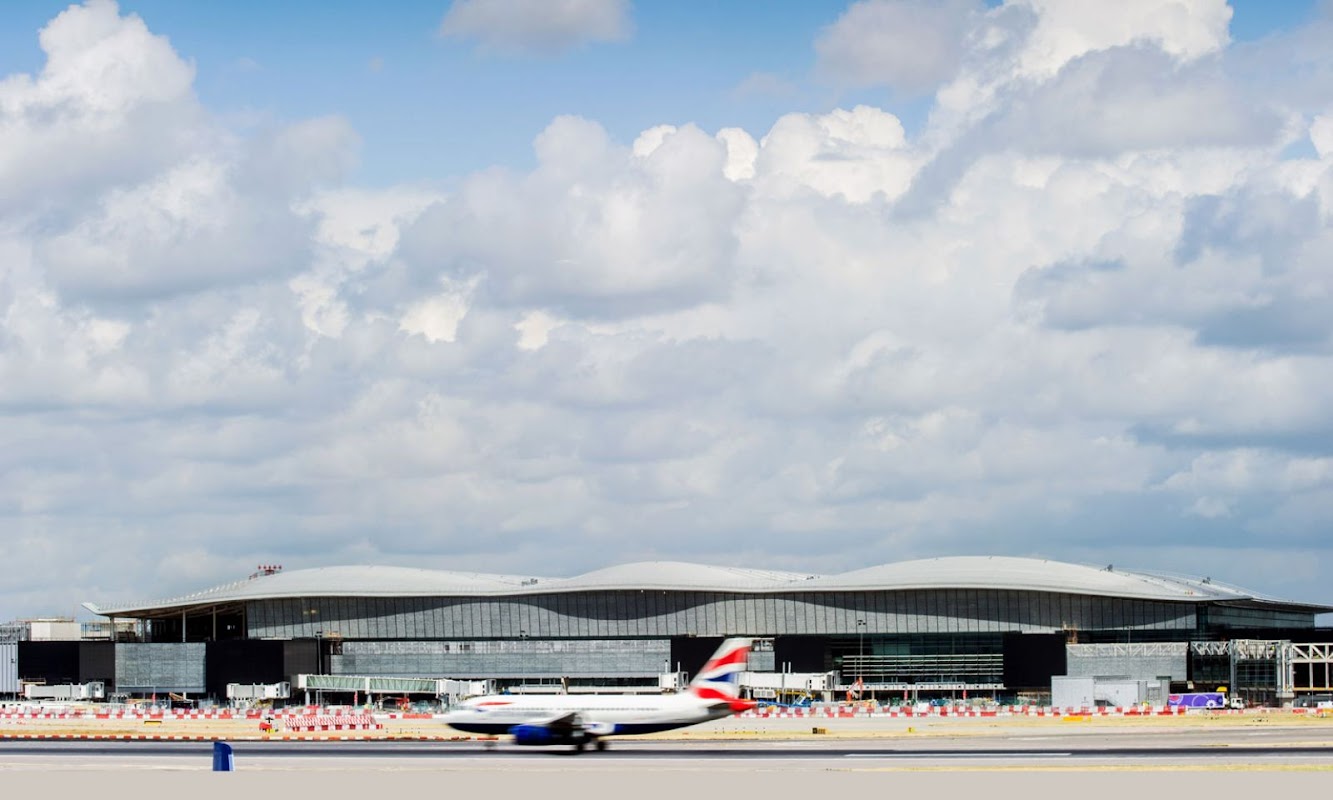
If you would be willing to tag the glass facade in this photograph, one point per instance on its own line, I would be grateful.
(917, 658)
(143, 668)
(522, 659)
(1220, 616)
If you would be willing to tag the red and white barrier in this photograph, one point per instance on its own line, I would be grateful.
(305, 713)
(847, 712)
(330, 722)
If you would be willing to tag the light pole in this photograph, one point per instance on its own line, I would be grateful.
(860, 657)
(319, 665)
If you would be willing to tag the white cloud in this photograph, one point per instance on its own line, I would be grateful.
(437, 317)
(597, 228)
(1250, 470)
(1020, 46)
(1082, 315)
(1133, 99)
(542, 27)
(112, 103)
(183, 230)
(742, 150)
(355, 233)
(910, 45)
(535, 330)
(128, 189)
(857, 155)
(1321, 135)
(1067, 29)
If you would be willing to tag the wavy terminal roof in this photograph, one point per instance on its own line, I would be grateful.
(957, 572)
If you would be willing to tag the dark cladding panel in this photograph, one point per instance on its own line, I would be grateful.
(690, 653)
(97, 662)
(49, 662)
(1030, 659)
(253, 661)
(1298, 635)
(804, 653)
(299, 658)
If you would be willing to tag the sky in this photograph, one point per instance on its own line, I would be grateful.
(535, 288)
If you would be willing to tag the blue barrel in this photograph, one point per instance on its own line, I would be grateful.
(222, 757)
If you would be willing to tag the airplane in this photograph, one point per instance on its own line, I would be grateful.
(580, 720)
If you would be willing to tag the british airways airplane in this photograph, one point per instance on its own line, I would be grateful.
(580, 720)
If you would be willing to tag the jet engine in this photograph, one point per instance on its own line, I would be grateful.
(541, 735)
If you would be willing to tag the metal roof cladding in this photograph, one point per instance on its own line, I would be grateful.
(955, 572)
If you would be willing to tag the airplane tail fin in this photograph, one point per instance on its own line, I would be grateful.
(720, 678)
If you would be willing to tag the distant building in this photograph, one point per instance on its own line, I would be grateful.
(44, 629)
(15, 631)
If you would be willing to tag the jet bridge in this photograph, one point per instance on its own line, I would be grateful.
(369, 686)
(788, 686)
(1273, 669)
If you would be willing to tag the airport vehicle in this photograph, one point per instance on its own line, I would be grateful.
(581, 720)
(1204, 700)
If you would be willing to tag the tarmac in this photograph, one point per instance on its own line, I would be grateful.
(332, 724)
(797, 757)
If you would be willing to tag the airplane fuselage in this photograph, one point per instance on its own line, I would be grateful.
(580, 720)
(602, 715)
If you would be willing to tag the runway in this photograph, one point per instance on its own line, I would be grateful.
(1112, 761)
(1229, 749)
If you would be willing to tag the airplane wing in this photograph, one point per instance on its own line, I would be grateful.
(570, 721)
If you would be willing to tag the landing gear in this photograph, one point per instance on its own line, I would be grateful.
(601, 745)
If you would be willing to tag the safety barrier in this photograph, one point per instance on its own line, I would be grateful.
(162, 713)
(848, 712)
(323, 722)
(282, 715)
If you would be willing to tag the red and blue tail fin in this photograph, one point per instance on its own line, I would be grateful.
(720, 678)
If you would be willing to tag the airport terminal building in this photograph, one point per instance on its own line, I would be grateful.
(992, 626)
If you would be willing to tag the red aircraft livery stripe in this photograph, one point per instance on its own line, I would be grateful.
(736, 656)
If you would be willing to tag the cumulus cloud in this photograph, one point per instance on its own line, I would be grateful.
(1132, 98)
(910, 45)
(1078, 314)
(856, 154)
(112, 103)
(1185, 29)
(124, 186)
(598, 229)
(1022, 44)
(540, 27)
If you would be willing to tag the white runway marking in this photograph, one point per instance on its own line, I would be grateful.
(968, 756)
